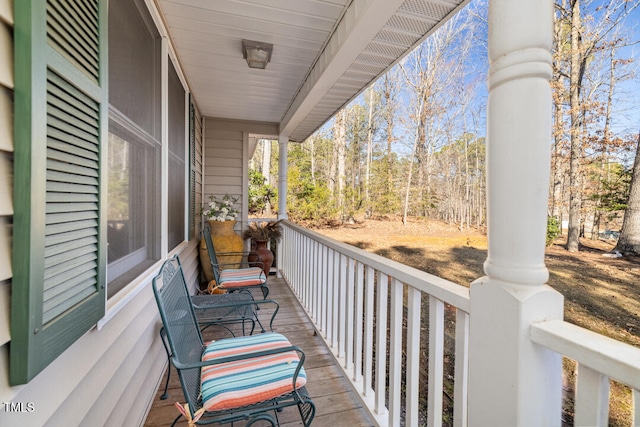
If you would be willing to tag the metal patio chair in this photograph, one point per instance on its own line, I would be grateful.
(222, 310)
(249, 275)
(248, 378)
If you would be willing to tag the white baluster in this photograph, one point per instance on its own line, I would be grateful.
(368, 332)
(592, 398)
(413, 355)
(436, 362)
(358, 323)
(461, 381)
(349, 320)
(395, 352)
(381, 343)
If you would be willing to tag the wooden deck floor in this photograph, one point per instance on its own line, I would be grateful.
(336, 403)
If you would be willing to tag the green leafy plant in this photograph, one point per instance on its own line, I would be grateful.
(308, 201)
(553, 229)
(260, 194)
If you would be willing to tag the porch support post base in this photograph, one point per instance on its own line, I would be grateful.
(512, 381)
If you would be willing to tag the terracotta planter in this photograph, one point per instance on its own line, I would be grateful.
(262, 254)
(224, 239)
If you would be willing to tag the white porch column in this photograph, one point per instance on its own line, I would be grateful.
(282, 176)
(513, 382)
(282, 190)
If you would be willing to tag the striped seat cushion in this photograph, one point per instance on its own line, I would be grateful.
(244, 382)
(238, 277)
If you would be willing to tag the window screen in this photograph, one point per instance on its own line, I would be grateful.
(177, 164)
(134, 172)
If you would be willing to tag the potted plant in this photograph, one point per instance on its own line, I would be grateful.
(261, 234)
(221, 214)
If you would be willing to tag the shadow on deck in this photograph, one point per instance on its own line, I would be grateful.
(336, 403)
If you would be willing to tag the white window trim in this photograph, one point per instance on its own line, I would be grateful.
(122, 298)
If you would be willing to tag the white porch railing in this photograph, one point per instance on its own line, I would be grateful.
(349, 293)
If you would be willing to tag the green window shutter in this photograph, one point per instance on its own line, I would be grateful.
(59, 234)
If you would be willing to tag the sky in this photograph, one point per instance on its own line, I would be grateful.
(626, 114)
(629, 91)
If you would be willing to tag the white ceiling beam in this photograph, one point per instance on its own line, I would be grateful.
(360, 24)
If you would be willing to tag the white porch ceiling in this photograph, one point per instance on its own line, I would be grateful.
(325, 53)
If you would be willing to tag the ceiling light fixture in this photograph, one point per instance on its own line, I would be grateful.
(257, 54)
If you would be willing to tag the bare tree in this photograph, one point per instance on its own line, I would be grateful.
(560, 99)
(390, 106)
(433, 72)
(583, 44)
(370, 129)
(339, 138)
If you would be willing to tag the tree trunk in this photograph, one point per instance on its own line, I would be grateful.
(312, 143)
(558, 123)
(606, 140)
(407, 191)
(629, 240)
(367, 171)
(333, 164)
(266, 169)
(573, 238)
(390, 121)
(341, 142)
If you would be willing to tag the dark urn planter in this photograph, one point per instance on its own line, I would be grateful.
(262, 254)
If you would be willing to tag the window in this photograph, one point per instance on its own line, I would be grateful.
(133, 223)
(177, 163)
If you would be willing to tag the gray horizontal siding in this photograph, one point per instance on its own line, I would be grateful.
(6, 52)
(6, 118)
(6, 11)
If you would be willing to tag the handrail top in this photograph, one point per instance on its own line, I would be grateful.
(445, 290)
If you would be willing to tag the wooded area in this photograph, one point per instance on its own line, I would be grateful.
(413, 143)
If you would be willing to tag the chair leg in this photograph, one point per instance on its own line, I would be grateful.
(307, 411)
(176, 420)
(165, 395)
(253, 325)
(262, 329)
